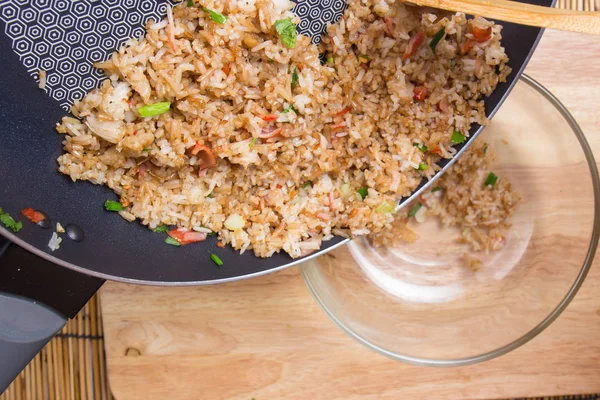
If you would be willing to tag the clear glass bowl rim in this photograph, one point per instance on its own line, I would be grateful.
(593, 244)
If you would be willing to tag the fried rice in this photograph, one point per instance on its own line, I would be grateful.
(293, 144)
(464, 197)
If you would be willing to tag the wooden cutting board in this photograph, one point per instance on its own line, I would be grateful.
(266, 338)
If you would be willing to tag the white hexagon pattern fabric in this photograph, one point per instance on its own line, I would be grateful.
(65, 37)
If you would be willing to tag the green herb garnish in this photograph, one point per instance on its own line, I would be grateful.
(386, 207)
(287, 32)
(215, 16)
(491, 179)
(295, 78)
(9, 222)
(171, 241)
(414, 210)
(17, 226)
(147, 149)
(363, 192)
(423, 166)
(253, 142)
(290, 108)
(485, 150)
(307, 184)
(436, 38)
(113, 206)
(161, 229)
(152, 110)
(329, 60)
(190, 3)
(436, 189)
(421, 147)
(457, 137)
(215, 258)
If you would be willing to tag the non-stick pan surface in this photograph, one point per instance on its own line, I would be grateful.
(63, 38)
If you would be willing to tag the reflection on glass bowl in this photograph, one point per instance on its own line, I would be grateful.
(421, 303)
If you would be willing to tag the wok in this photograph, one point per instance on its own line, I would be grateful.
(40, 289)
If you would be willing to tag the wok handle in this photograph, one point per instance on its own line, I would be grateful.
(25, 328)
(36, 298)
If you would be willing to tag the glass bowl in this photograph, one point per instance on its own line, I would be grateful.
(420, 304)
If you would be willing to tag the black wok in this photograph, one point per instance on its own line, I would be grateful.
(63, 38)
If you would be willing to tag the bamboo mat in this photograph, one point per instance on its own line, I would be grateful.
(72, 366)
(581, 5)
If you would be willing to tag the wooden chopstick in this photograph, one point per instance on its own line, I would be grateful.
(524, 14)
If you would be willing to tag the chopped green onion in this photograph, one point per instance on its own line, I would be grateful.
(290, 108)
(436, 38)
(211, 233)
(161, 229)
(296, 200)
(329, 60)
(491, 179)
(113, 206)
(345, 189)
(414, 210)
(295, 78)
(253, 142)
(364, 59)
(363, 192)
(421, 147)
(147, 149)
(485, 150)
(171, 241)
(287, 32)
(215, 16)
(386, 207)
(17, 226)
(9, 222)
(234, 222)
(307, 184)
(210, 196)
(215, 258)
(152, 110)
(457, 137)
(423, 166)
(436, 189)
(190, 3)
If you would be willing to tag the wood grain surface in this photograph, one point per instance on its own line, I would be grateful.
(266, 338)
